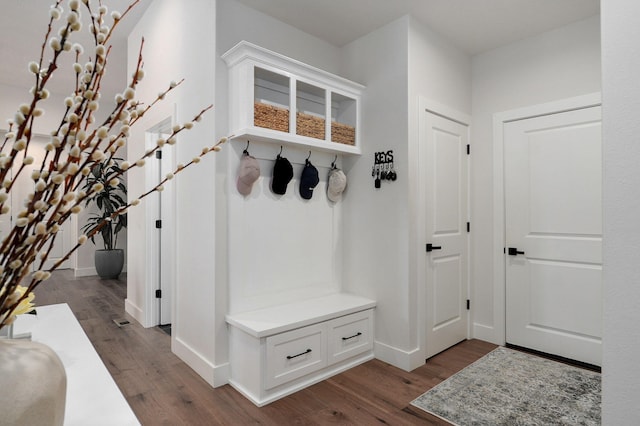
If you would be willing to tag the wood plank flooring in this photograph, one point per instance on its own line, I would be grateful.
(162, 390)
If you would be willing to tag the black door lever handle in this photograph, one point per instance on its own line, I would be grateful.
(514, 251)
(431, 247)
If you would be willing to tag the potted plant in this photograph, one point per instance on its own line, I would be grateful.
(110, 196)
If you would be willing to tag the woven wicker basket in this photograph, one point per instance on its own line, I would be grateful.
(270, 117)
(309, 125)
(343, 133)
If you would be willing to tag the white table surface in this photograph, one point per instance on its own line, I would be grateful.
(93, 398)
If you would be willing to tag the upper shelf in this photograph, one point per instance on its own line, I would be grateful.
(277, 99)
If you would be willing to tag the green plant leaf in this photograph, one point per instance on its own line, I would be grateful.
(108, 201)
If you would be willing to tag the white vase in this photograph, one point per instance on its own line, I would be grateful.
(33, 384)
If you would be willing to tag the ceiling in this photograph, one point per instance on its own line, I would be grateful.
(472, 25)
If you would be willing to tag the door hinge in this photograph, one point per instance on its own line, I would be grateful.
(158, 224)
(468, 149)
(158, 294)
(468, 226)
(159, 154)
(468, 304)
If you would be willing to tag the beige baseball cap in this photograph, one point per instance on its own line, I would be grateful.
(336, 185)
(248, 173)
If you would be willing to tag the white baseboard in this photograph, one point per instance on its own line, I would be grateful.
(215, 375)
(84, 272)
(405, 360)
(487, 333)
(134, 311)
(90, 272)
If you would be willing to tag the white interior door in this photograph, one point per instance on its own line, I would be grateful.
(553, 218)
(166, 255)
(161, 207)
(446, 162)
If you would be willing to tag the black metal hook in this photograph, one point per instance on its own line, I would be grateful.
(246, 150)
(307, 162)
(280, 151)
(333, 164)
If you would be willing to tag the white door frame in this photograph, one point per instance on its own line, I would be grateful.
(425, 105)
(153, 264)
(499, 120)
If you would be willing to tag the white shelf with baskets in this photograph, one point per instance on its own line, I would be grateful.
(273, 98)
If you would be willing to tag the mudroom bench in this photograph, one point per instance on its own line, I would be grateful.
(279, 350)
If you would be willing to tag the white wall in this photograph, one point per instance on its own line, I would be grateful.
(558, 64)
(187, 42)
(621, 127)
(437, 70)
(398, 64)
(238, 22)
(284, 227)
(440, 74)
(375, 220)
(176, 41)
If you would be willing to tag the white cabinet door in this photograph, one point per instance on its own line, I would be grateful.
(445, 150)
(295, 353)
(350, 335)
(553, 211)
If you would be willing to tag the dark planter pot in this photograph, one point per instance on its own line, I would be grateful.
(109, 263)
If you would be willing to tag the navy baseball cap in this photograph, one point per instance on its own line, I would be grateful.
(308, 180)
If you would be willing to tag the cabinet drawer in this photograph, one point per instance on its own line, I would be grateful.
(295, 353)
(350, 335)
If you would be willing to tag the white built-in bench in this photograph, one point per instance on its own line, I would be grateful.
(281, 349)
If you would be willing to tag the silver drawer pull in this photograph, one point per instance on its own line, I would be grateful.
(300, 354)
(351, 337)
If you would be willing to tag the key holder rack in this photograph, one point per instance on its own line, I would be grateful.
(383, 168)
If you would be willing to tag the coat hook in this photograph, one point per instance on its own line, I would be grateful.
(309, 156)
(280, 151)
(246, 150)
(333, 164)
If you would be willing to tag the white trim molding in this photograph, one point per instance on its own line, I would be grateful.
(215, 375)
(405, 360)
(136, 313)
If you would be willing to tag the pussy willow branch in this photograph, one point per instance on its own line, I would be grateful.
(49, 206)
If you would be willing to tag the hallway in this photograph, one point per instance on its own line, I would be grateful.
(161, 389)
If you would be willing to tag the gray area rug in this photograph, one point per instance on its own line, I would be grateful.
(508, 387)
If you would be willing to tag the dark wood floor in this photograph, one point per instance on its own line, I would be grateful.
(162, 390)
